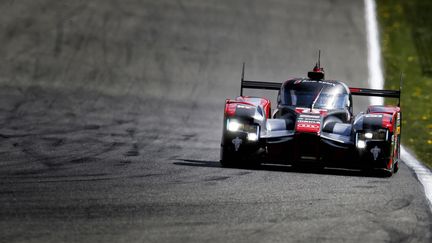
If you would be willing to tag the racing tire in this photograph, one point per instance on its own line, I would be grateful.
(387, 173)
(229, 160)
(227, 163)
(396, 167)
(391, 171)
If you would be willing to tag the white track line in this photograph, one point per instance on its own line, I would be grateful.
(376, 81)
(423, 173)
(376, 77)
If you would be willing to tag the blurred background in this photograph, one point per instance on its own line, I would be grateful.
(406, 46)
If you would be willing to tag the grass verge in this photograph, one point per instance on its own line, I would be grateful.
(406, 40)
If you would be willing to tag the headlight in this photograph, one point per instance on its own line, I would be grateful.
(380, 134)
(252, 137)
(233, 125)
(251, 130)
(361, 144)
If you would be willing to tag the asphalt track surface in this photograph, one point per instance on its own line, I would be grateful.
(111, 116)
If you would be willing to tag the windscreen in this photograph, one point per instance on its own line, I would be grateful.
(315, 94)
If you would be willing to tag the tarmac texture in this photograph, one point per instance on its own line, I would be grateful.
(111, 118)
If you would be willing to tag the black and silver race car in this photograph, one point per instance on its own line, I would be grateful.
(312, 124)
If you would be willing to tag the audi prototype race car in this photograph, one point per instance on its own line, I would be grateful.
(313, 124)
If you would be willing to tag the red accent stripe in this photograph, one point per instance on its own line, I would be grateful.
(354, 89)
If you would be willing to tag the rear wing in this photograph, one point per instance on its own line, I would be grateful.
(380, 92)
(249, 84)
(377, 92)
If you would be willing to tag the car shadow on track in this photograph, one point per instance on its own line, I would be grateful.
(287, 168)
(199, 163)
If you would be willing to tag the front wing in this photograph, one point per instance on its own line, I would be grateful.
(289, 147)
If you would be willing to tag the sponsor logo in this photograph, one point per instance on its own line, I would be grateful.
(245, 106)
(315, 81)
(373, 115)
(308, 125)
(375, 152)
(309, 116)
(237, 142)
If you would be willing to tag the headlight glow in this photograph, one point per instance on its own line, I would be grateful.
(252, 137)
(361, 144)
(368, 135)
(380, 134)
(233, 125)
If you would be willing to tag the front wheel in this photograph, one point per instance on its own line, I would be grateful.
(393, 170)
(387, 173)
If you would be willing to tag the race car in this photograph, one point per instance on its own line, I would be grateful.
(313, 124)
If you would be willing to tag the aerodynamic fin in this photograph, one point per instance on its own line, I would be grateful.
(375, 92)
(380, 92)
(248, 84)
(400, 88)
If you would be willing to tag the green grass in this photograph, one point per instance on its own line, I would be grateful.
(406, 40)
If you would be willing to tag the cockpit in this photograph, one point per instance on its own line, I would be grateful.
(314, 94)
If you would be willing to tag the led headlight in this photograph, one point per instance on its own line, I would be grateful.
(252, 137)
(233, 125)
(380, 134)
(361, 144)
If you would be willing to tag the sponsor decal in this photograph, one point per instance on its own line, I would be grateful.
(375, 151)
(245, 106)
(315, 81)
(314, 117)
(373, 115)
(308, 123)
(398, 124)
(308, 111)
(237, 142)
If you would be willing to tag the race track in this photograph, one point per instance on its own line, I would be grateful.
(111, 117)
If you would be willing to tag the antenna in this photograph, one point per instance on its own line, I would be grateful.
(318, 72)
(400, 88)
(242, 78)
